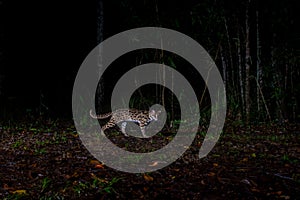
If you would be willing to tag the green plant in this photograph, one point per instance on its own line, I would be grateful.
(40, 143)
(17, 144)
(79, 187)
(40, 151)
(287, 158)
(106, 186)
(15, 196)
(52, 197)
(45, 183)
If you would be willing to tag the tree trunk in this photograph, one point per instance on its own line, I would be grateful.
(234, 89)
(247, 66)
(241, 77)
(2, 76)
(100, 25)
(258, 67)
(223, 66)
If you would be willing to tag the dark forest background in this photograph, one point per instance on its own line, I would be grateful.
(255, 45)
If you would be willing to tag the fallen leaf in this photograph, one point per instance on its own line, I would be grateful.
(6, 187)
(67, 176)
(148, 178)
(34, 165)
(255, 190)
(211, 174)
(95, 162)
(285, 197)
(30, 174)
(246, 181)
(153, 164)
(19, 192)
(99, 166)
(75, 174)
(287, 165)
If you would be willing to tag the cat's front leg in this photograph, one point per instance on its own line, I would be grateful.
(123, 127)
(143, 131)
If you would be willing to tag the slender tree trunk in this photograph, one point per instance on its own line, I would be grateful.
(294, 101)
(2, 76)
(2, 97)
(223, 66)
(100, 27)
(172, 100)
(277, 83)
(247, 66)
(241, 77)
(164, 79)
(230, 57)
(161, 58)
(258, 67)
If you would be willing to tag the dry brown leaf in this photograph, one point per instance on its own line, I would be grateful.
(285, 197)
(95, 162)
(148, 178)
(75, 174)
(19, 192)
(34, 165)
(255, 190)
(245, 159)
(153, 164)
(211, 174)
(67, 176)
(99, 166)
(6, 187)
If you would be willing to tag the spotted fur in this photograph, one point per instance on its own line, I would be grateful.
(142, 117)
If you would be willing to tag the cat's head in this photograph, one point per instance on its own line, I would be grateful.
(154, 114)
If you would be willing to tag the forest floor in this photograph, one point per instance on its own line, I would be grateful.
(45, 159)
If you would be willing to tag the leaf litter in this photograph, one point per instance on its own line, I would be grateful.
(45, 159)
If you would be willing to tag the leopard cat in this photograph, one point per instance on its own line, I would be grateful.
(142, 117)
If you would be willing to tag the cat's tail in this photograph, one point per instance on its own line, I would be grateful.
(99, 116)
